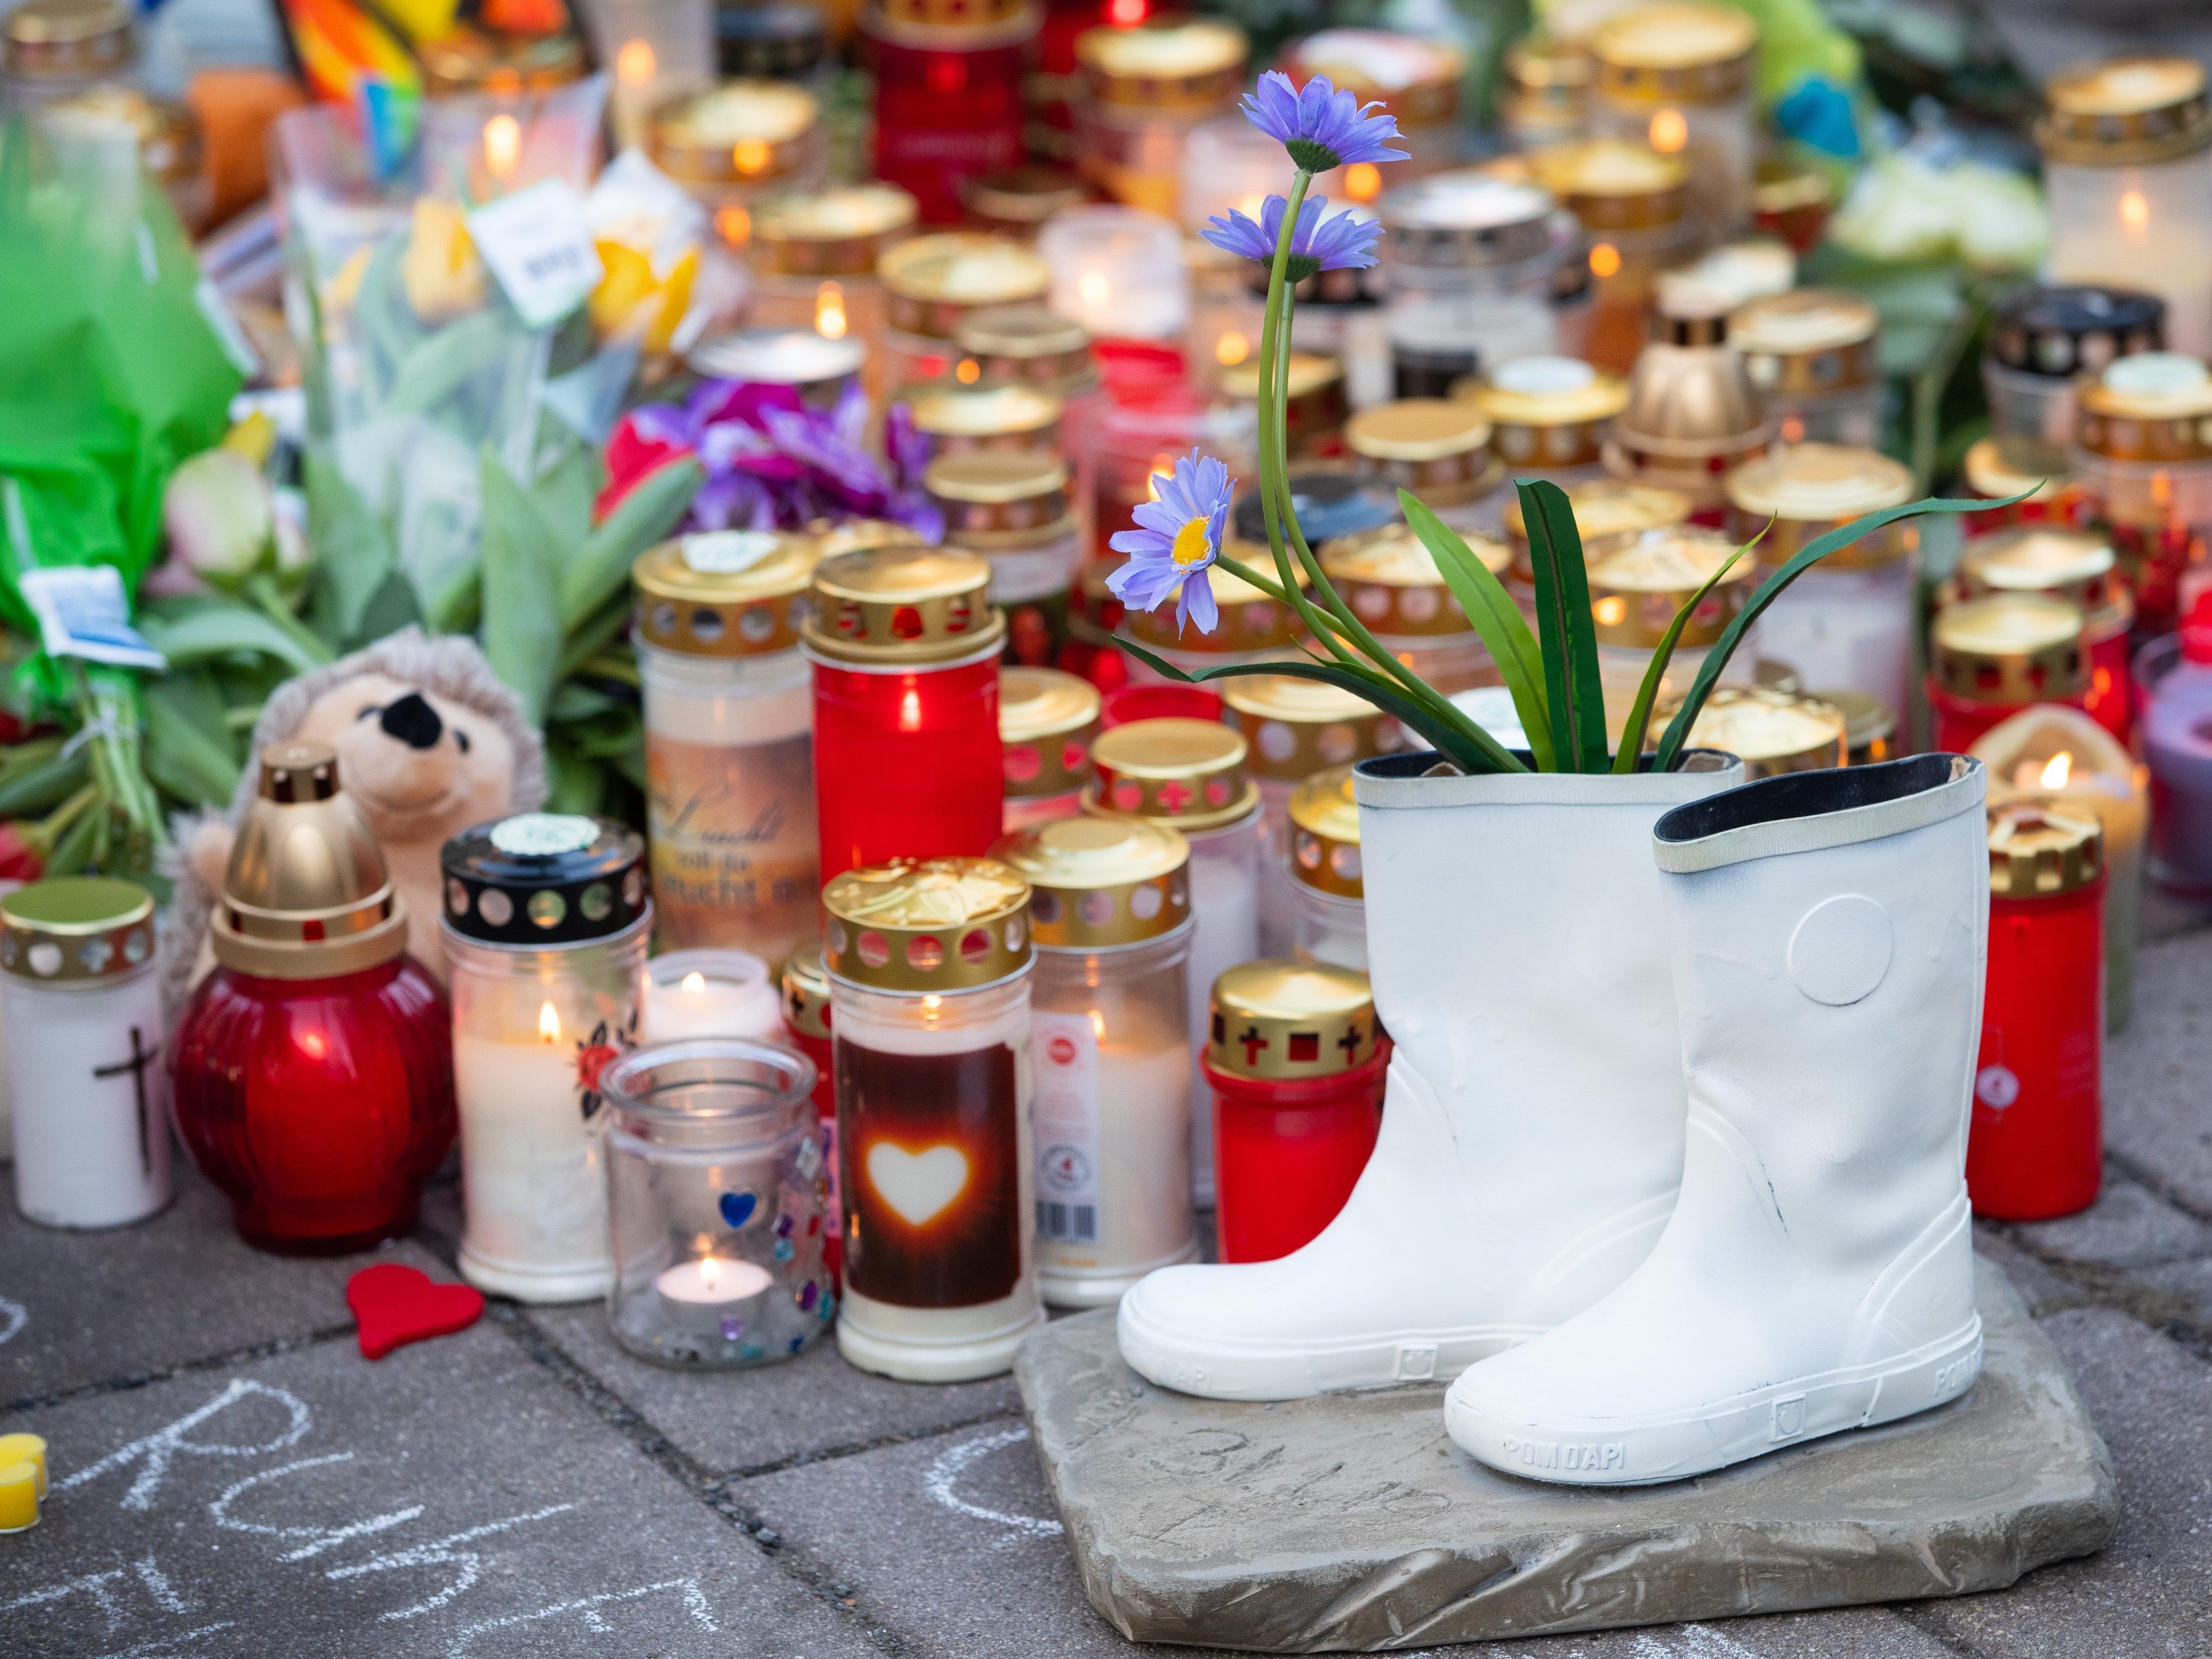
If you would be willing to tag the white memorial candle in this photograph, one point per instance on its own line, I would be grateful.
(690, 994)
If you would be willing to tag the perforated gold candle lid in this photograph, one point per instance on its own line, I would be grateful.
(1000, 499)
(467, 60)
(1014, 413)
(1990, 475)
(76, 930)
(2040, 850)
(725, 592)
(1283, 1021)
(1294, 726)
(741, 132)
(829, 232)
(1017, 200)
(1314, 404)
(1808, 489)
(2010, 649)
(2125, 110)
(859, 536)
(1436, 447)
(903, 605)
(1611, 185)
(1770, 732)
(1808, 342)
(2074, 565)
(1609, 514)
(807, 991)
(2149, 406)
(67, 39)
(927, 926)
(1187, 772)
(1677, 51)
(1101, 880)
(1415, 80)
(1048, 720)
(956, 25)
(1167, 64)
(1635, 591)
(931, 283)
(1392, 583)
(1870, 727)
(1325, 835)
(1249, 620)
(1033, 344)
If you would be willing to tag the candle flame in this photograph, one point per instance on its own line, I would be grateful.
(1604, 260)
(548, 1025)
(735, 225)
(1231, 348)
(634, 64)
(710, 1271)
(1362, 181)
(2056, 774)
(750, 155)
(1094, 288)
(503, 145)
(1670, 131)
(2134, 213)
(830, 312)
(1098, 1025)
(969, 372)
(910, 711)
(693, 984)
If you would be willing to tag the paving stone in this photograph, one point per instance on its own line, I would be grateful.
(2164, 913)
(2143, 1598)
(2154, 1074)
(1352, 1521)
(2127, 1227)
(2043, 1290)
(2179, 1289)
(79, 1308)
(453, 1499)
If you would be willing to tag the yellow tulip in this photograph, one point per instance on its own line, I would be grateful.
(442, 274)
(630, 293)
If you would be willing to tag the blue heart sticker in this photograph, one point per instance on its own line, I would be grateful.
(737, 1208)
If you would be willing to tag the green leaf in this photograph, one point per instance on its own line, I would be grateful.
(521, 589)
(641, 518)
(1497, 619)
(188, 751)
(589, 638)
(573, 783)
(221, 631)
(391, 607)
(565, 492)
(353, 555)
(34, 789)
(1709, 672)
(1568, 633)
(1639, 712)
(443, 362)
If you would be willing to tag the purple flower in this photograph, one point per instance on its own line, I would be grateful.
(1344, 243)
(1322, 127)
(1177, 537)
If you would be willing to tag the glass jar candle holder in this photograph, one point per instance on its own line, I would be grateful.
(717, 1204)
(2173, 684)
(2040, 340)
(1609, 516)
(820, 370)
(949, 418)
(1149, 414)
(1470, 260)
(1851, 621)
(905, 649)
(1118, 271)
(1227, 162)
(695, 993)
(806, 1028)
(1678, 77)
(80, 1002)
(1293, 728)
(2127, 172)
(814, 258)
(1635, 592)
(1991, 657)
(1034, 346)
(1011, 508)
(1633, 205)
(2079, 568)
(545, 927)
(2035, 1147)
(1048, 721)
(1253, 627)
(1189, 776)
(948, 78)
(1142, 88)
(1770, 732)
(732, 146)
(1329, 889)
(2055, 498)
(729, 748)
(1316, 406)
(313, 1071)
(1015, 202)
(468, 62)
(1295, 1061)
(657, 51)
(1693, 412)
(1543, 99)
(1439, 449)
(54, 50)
(1811, 353)
(2143, 455)
(929, 963)
(1549, 418)
(1225, 317)
(1109, 1052)
(930, 285)
(1870, 731)
(1392, 585)
(1415, 79)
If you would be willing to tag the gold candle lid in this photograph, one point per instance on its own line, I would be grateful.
(2126, 111)
(1990, 476)
(807, 991)
(1770, 732)
(1316, 405)
(2010, 649)
(1392, 583)
(1808, 489)
(725, 592)
(1693, 413)
(2039, 850)
(927, 926)
(1251, 620)
(1807, 342)
(2149, 406)
(1187, 772)
(1869, 725)
(1001, 416)
(1415, 80)
(1608, 184)
(471, 60)
(306, 895)
(1000, 499)
(1102, 880)
(1551, 412)
(1032, 344)
(1283, 1021)
(1674, 53)
(1439, 449)
(67, 39)
(1325, 835)
(859, 536)
(1609, 514)
(931, 283)
(1169, 63)
(741, 132)
(2076, 566)
(1015, 200)
(830, 232)
(1048, 720)
(76, 930)
(1635, 591)
(952, 25)
(1293, 727)
(904, 605)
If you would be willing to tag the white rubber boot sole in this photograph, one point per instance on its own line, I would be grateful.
(1194, 1363)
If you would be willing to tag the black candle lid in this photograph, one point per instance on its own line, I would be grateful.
(1329, 500)
(2063, 331)
(769, 42)
(544, 879)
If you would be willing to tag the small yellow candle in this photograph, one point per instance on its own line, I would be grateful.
(19, 1497)
(25, 1448)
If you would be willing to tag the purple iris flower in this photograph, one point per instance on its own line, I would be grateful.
(1344, 243)
(1178, 536)
(1322, 127)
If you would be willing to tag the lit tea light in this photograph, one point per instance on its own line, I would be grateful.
(712, 1280)
(1231, 348)
(502, 146)
(1670, 131)
(710, 992)
(1362, 181)
(750, 156)
(635, 64)
(830, 320)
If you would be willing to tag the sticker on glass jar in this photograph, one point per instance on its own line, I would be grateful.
(1064, 1066)
(727, 552)
(545, 835)
(1543, 377)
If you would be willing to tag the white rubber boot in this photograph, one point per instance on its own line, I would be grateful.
(1828, 931)
(1532, 1133)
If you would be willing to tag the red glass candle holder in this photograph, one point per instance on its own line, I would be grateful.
(948, 94)
(1991, 657)
(2036, 1147)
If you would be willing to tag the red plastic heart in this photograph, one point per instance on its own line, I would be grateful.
(395, 1305)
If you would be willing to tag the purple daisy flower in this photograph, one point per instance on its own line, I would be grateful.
(1344, 243)
(1322, 127)
(1177, 537)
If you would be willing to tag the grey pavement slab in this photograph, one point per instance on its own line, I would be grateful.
(2144, 1597)
(2165, 914)
(1350, 1522)
(2128, 1226)
(2044, 1290)
(2156, 1121)
(82, 1308)
(453, 1499)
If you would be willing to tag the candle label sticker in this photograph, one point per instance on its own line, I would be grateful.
(734, 855)
(1037, 629)
(537, 243)
(543, 835)
(932, 1179)
(1064, 1050)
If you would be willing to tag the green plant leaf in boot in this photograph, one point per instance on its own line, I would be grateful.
(1497, 621)
(1567, 630)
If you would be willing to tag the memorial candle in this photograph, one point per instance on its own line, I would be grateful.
(19, 1497)
(691, 993)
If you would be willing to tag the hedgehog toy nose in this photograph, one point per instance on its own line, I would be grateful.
(413, 721)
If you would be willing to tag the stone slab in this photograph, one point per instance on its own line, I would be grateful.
(452, 1500)
(1352, 1521)
(2156, 1127)
(2128, 1226)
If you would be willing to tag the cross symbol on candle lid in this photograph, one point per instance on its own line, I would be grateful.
(1175, 796)
(1252, 1042)
(1350, 1041)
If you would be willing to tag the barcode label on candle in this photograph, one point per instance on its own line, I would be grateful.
(1065, 1054)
